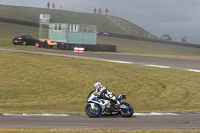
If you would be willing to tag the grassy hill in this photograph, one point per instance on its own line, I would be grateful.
(31, 14)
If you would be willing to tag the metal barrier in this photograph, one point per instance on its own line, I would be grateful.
(14, 21)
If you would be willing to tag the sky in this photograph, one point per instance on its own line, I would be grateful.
(178, 18)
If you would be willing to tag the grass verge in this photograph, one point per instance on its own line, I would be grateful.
(37, 83)
(127, 46)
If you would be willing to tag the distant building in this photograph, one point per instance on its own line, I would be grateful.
(73, 33)
(68, 32)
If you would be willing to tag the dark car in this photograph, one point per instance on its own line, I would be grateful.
(24, 40)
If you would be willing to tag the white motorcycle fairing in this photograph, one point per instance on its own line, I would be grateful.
(96, 107)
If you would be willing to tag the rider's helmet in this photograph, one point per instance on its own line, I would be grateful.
(97, 86)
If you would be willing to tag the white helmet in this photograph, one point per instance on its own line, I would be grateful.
(97, 86)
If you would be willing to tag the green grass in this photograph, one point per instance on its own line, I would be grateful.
(127, 46)
(33, 130)
(37, 83)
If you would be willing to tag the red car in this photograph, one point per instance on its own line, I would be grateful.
(24, 40)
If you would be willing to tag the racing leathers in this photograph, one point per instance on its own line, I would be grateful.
(104, 93)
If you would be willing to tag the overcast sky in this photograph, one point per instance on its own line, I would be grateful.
(179, 18)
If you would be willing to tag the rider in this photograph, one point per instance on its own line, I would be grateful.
(104, 93)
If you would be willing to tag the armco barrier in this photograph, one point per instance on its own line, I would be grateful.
(14, 21)
(87, 47)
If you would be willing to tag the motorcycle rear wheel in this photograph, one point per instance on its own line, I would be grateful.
(93, 113)
(127, 112)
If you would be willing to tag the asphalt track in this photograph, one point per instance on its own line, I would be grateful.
(164, 62)
(172, 122)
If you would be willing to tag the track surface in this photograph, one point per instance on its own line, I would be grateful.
(189, 122)
(163, 61)
(178, 122)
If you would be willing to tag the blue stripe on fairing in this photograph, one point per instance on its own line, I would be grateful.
(96, 100)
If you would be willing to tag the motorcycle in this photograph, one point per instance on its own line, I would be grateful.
(96, 107)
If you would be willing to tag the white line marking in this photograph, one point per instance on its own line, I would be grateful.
(124, 62)
(153, 114)
(168, 67)
(37, 115)
(193, 70)
(159, 66)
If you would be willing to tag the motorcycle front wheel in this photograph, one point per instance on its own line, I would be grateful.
(127, 112)
(93, 113)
